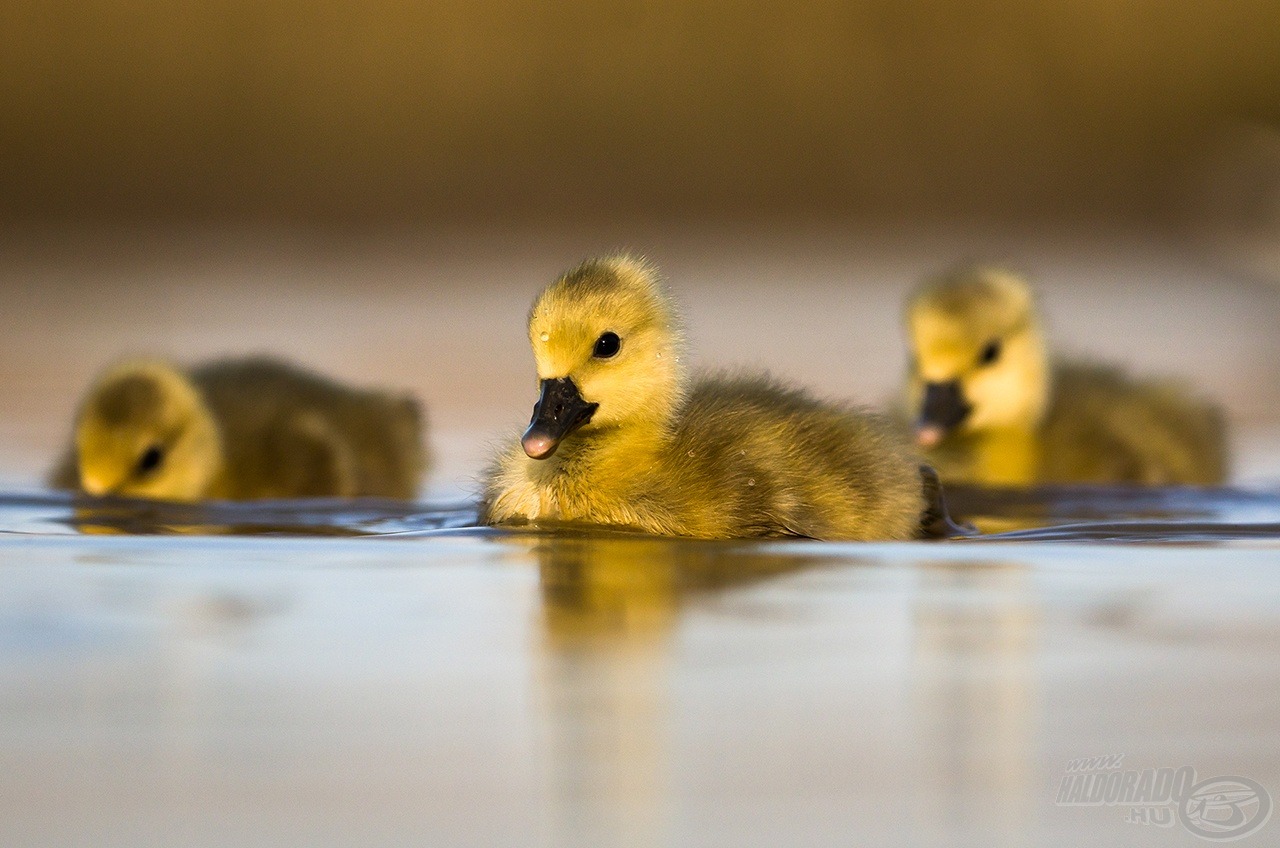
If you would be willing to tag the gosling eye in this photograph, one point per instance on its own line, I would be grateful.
(990, 353)
(607, 345)
(150, 459)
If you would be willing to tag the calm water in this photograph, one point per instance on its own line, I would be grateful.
(1048, 513)
(223, 675)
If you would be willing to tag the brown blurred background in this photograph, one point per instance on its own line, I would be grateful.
(378, 189)
(382, 110)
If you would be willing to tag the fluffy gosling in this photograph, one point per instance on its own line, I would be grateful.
(990, 407)
(622, 437)
(240, 429)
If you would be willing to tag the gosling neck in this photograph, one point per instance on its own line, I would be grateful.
(1006, 457)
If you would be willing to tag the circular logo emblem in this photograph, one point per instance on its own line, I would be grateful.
(1225, 808)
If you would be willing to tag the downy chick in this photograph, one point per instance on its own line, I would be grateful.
(240, 429)
(990, 407)
(621, 437)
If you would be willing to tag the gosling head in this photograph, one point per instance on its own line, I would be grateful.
(607, 343)
(978, 355)
(144, 431)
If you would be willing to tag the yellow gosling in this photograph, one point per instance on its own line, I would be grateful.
(991, 407)
(240, 429)
(621, 437)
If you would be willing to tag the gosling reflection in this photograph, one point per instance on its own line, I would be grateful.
(618, 587)
(610, 606)
(974, 698)
(306, 517)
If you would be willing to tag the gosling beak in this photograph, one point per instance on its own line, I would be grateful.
(559, 411)
(944, 409)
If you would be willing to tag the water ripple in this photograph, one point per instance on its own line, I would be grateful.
(1041, 514)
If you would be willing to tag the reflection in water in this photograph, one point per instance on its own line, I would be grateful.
(311, 517)
(610, 607)
(48, 513)
(600, 587)
(1118, 513)
(1046, 513)
(974, 698)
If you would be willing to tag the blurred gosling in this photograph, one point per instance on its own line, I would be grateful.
(990, 407)
(240, 429)
(621, 437)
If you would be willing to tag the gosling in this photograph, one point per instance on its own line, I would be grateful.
(240, 429)
(620, 436)
(990, 407)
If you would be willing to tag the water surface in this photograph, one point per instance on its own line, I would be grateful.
(1046, 513)
(328, 673)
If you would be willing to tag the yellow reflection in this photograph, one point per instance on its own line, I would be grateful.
(85, 523)
(610, 606)
(974, 698)
(1005, 524)
(598, 589)
(94, 517)
(149, 518)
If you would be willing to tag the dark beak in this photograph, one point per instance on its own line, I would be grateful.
(559, 412)
(944, 409)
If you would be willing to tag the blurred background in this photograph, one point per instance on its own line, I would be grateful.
(380, 188)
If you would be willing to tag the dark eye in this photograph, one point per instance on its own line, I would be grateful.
(150, 459)
(606, 346)
(990, 353)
